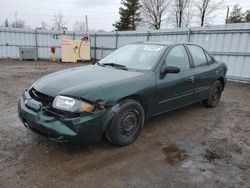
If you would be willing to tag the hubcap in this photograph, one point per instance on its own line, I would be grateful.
(129, 123)
(216, 93)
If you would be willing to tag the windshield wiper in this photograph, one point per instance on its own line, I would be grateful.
(116, 65)
(98, 63)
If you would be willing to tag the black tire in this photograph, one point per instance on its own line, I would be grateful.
(126, 124)
(214, 95)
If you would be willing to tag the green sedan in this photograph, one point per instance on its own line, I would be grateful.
(115, 96)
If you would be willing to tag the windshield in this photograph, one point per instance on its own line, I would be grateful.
(135, 56)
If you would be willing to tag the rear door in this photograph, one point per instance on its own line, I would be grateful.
(205, 71)
(175, 89)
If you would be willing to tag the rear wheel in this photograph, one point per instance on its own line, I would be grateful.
(127, 123)
(214, 95)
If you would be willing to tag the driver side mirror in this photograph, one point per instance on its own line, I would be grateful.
(169, 69)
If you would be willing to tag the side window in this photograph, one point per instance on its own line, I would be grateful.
(198, 55)
(209, 58)
(178, 57)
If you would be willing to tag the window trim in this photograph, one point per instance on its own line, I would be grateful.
(207, 54)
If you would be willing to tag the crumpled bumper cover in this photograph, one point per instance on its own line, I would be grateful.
(86, 128)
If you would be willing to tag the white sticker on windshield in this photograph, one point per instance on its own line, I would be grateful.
(152, 48)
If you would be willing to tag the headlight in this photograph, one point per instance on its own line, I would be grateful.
(71, 105)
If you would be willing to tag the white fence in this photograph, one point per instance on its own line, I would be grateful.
(229, 43)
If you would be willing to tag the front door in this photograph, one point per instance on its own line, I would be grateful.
(175, 89)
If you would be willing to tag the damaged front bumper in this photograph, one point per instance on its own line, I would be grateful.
(85, 128)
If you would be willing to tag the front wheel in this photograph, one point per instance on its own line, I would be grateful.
(126, 124)
(214, 95)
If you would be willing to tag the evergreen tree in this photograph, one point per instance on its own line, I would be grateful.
(129, 15)
(247, 16)
(236, 16)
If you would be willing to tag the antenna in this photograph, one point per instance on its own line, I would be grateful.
(87, 25)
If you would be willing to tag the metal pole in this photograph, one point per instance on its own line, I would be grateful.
(148, 35)
(102, 53)
(189, 35)
(95, 44)
(36, 44)
(116, 40)
(7, 50)
(87, 26)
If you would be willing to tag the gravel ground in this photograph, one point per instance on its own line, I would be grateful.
(190, 147)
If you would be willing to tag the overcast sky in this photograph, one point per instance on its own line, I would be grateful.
(101, 13)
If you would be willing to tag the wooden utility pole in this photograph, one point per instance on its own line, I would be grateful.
(227, 14)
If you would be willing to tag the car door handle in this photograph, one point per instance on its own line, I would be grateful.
(191, 79)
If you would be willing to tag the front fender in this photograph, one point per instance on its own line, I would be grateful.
(109, 115)
(110, 95)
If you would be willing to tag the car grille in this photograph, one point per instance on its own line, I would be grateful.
(46, 100)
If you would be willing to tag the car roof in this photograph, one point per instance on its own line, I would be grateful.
(164, 43)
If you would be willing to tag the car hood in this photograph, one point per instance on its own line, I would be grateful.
(79, 81)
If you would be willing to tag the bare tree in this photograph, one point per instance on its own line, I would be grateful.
(188, 14)
(59, 22)
(18, 23)
(154, 11)
(206, 8)
(79, 26)
(179, 7)
(44, 25)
